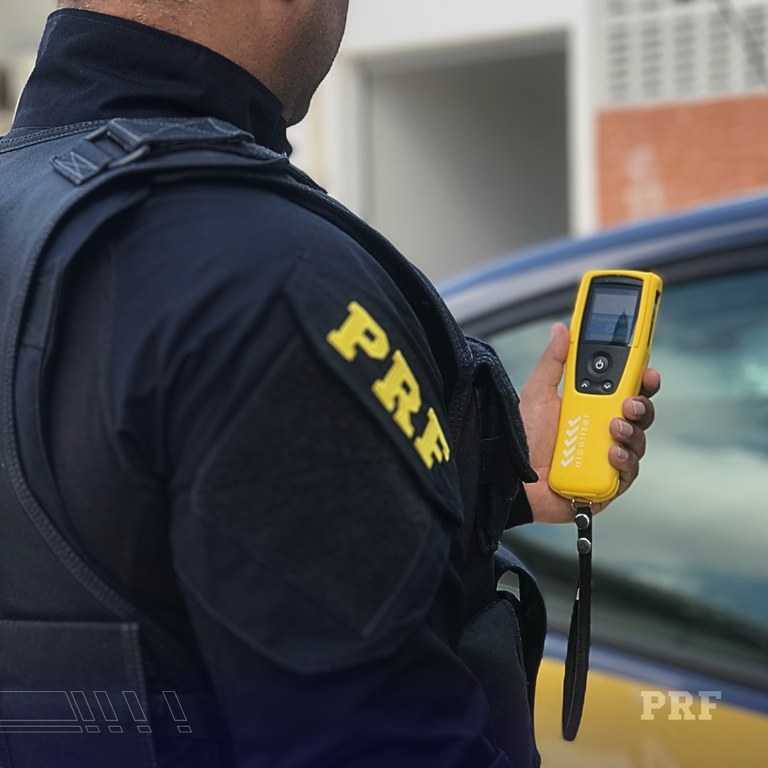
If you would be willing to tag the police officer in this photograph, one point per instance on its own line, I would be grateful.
(257, 436)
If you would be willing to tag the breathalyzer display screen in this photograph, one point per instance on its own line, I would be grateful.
(612, 315)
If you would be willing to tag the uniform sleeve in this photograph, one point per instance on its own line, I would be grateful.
(314, 583)
(316, 502)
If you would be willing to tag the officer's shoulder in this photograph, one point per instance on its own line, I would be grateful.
(225, 251)
(253, 223)
(242, 246)
(328, 297)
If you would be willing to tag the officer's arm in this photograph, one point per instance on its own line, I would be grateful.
(313, 540)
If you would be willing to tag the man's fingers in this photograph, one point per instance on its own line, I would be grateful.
(630, 436)
(628, 464)
(651, 382)
(640, 411)
(548, 371)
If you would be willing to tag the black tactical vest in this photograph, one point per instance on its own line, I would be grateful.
(88, 679)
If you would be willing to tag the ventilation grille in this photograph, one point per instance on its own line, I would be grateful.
(668, 50)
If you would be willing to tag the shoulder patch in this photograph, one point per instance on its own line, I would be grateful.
(364, 331)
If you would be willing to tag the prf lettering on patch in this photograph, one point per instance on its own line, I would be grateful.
(398, 390)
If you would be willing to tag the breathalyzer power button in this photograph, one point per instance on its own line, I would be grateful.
(600, 363)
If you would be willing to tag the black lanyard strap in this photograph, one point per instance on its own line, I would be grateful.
(579, 635)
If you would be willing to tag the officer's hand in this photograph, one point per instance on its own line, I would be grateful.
(540, 406)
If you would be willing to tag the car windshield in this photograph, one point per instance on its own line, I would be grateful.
(690, 537)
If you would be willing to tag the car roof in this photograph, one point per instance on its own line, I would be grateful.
(648, 245)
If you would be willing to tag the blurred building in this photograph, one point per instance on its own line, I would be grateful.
(467, 130)
(682, 110)
(461, 130)
(20, 27)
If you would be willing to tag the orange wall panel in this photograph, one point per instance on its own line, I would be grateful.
(653, 160)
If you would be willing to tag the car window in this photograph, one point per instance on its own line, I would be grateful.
(687, 544)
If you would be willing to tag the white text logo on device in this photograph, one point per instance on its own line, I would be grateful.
(575, 442)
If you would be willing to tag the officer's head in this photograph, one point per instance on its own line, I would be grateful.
(288, 44)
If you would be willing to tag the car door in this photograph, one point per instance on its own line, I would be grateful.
(680, 609)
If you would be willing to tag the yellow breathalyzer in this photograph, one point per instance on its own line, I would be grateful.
(611, 336)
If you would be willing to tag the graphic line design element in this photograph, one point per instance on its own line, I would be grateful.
(137, 711)
(23, 703)
(41, 729)
(177, 711)
(83, 707)
(102, 697)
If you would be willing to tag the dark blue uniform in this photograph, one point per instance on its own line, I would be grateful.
(276, 480)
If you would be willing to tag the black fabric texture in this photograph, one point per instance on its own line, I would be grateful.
(423, 707)
(121, 519)
(491, 473)
(531, 612)
(520, 512)
(329, 510)
(491, 645)
(41, 661)
(478, 578)
(504, 449)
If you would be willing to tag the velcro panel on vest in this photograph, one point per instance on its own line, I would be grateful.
(319, 534)
(73, 694)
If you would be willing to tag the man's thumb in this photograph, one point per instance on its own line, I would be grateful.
(548, 371)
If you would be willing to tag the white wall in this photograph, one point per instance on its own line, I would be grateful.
(469, 161)
(391, 36)
(21, 24)
(385, 26)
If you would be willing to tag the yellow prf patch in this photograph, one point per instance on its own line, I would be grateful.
(398, 390)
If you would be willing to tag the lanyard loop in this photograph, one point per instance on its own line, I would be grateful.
(579, 635)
